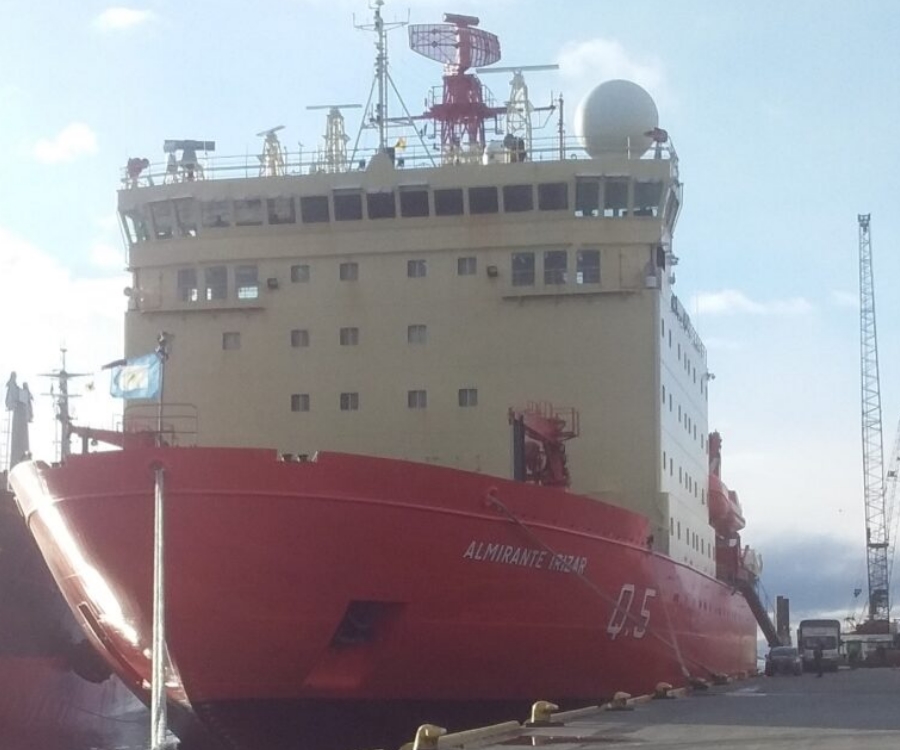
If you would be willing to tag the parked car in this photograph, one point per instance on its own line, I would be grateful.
(783, 660)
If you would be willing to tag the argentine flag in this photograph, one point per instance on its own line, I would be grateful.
(138, 377)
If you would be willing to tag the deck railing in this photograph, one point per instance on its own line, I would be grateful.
(413, 155)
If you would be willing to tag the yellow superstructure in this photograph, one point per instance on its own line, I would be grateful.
(401, 312)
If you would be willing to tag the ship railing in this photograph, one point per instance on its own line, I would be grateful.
(412, 155)
(180, 422)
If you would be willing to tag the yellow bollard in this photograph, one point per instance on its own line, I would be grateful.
(620, 702)
(427, 737)
(662, 690)
(542, 715)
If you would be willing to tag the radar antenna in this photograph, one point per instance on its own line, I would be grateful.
(462, 112)
(519, 109)
(334, 158)
(271, 160)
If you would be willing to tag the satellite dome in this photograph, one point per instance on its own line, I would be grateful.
(615, 118)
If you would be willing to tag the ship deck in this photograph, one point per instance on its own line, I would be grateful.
(840, 711)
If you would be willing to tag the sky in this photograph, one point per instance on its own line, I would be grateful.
(782, 115)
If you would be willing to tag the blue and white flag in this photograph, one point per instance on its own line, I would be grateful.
(138, 377)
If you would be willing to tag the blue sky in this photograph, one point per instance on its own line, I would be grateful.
(783, 115)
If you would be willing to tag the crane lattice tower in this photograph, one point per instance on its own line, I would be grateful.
(872, 442)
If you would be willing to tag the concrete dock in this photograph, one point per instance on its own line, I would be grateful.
(840, 711)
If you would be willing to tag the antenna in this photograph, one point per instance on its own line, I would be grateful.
(462, 112)
(519, 108)
(335, 156)
(61, 377)
(382, 77)
(190, 166)
(271, 160)
(379, 117)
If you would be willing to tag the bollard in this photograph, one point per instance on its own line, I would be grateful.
(542, 715)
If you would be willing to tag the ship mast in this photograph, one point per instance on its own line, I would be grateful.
(60, 379)
(383, 81)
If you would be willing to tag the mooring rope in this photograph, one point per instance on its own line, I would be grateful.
(494, 501)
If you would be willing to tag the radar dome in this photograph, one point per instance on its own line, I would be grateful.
(615, 118)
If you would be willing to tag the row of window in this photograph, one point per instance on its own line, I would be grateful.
(349, 336)
(684, 478)
(610, 197)
(689, 367)
(415, 399)
(555, 268)
(684, 419)
(695, 540)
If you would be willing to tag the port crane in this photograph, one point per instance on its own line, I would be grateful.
(872, 441)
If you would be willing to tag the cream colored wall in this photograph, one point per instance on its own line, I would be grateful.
(594, 349)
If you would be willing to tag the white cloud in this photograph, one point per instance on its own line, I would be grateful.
(44, 306)
(734, 302)
(74, 140)
(586, 64)
(841, 298)
(107, 257)
(719, 344)
(113, 19)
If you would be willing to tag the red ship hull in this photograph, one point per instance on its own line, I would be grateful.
(44, 702)
(356, 581)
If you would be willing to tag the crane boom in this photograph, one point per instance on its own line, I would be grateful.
(872, 441)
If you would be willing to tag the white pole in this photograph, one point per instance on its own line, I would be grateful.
(158, 721)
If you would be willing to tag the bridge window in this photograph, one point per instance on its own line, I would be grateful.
(163, 220)
(647, 196)
(556, 266)
(136, 226)
(413, 202)
(248, 213)
(615, 198)
(186, 217)
(187, 285)
(553, 196)
(215, 279)
(246, 281)
(314, 209)
(448, 202)
(483, 200)
(587, 196)
(518, 198)
(523, 269)
(281, 211)
(214, 214)
(587, 267)
(380, 205)
(347, 205)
